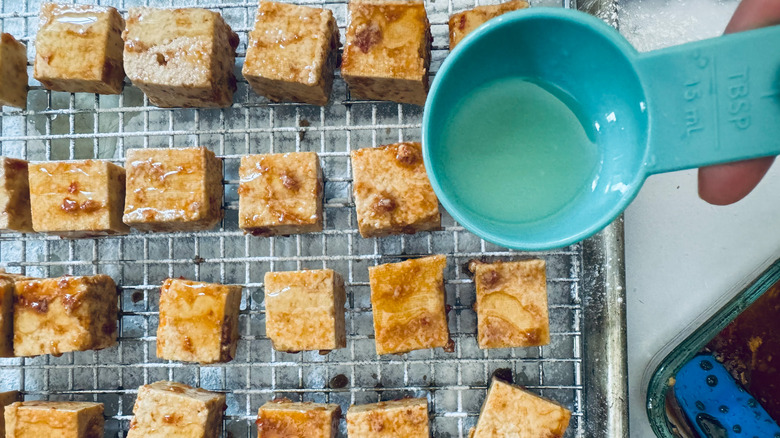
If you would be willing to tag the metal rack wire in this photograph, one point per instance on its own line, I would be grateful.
(66, 126)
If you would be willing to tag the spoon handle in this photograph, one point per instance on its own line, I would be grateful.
(712, 101)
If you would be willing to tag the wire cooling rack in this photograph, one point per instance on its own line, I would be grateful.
(59, 126)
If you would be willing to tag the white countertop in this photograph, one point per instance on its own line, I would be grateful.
(682, 253)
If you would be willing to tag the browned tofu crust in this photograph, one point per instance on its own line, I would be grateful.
(173, 189)
(407, 300)
(463, 23)
(512, 411)
(77, 198)
(407, 418)
(388, 50)
(54, 419)
(15, 211)
(6, 398)
(280, 194)
(292, 53)
(171, 409)
(58, 315)
(305, 310)
(282, 418)
(511, 303)
(198, 321)
(79, 49)
(13, 72)
(181, 57)
(6, 318)
(392, 192)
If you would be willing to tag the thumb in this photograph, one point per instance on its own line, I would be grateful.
(728, 183)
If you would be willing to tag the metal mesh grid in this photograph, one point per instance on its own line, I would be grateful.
(60, 126)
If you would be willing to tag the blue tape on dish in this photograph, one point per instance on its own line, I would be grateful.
(716, 405)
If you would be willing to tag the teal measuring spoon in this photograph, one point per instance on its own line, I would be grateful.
(687, 106)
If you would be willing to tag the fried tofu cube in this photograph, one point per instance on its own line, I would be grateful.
(511, 304)
(198, 321)
(13, 72)
(58, 315)
(406, 418)
(511, 411)
(392, 192)
(15, 214)
(407, 299)
(6, 318)
(292, 53)
(6, 398)
(77, 198)
(463, 23)
(170, 409)
(181, 57)
(173, 189)
(69, 419)
(280, 194)
(283, 418)
(388, 50)
(79, 49)
(304, 310)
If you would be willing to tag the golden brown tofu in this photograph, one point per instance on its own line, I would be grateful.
(58, 315)
(292, 53)
(15, 214)
(173, 189)
(198, 321)
(13, 72)
(170, 409)
(181, 57)
(77, 198)
(463, 23)
(407, 418)
(388, 50)
(305, 310)
(408, 303)
(79, 49)
(511, 411)
(285, 419)
(6, 318)
(6, 398)
(280, 194)
(392, 192)
(60, 419)
(511, 303)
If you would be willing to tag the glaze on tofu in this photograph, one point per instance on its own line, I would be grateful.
(170, 409)
(282, 418)
(13, 72)
(58, 315)
(407, 300)
(512, 411)
(292, 53)
(511, 303)
(388, 50)
(305, 310)
(77, 198)
(173, 189)
(15, 212)
(54, 419)
(392, 192)
(78, 48)
(280, 194)
(465, 22)
(406, 418)
(198, 321)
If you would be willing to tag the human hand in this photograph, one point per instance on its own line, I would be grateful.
(725, 184)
